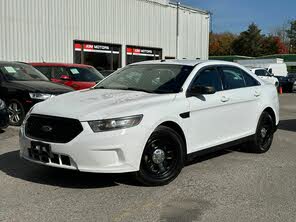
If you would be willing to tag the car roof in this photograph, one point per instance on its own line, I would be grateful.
(187, 62)
(58, 64)
(12, 63)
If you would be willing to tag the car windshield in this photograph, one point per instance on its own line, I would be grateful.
(21, 72)
(152, 78)
(85, 74)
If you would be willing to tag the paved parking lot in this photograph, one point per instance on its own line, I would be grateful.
(224, 186)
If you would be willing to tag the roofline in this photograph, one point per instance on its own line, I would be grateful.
(190, 8)
(174, 4)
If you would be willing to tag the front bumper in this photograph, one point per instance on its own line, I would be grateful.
(115, 151)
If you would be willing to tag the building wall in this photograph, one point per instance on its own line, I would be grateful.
(33, 30)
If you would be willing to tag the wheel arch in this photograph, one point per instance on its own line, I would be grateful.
(271, 112)
(177, 128)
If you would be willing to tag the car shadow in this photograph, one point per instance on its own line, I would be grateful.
(288, 125)
(2, 131)
(12, 165)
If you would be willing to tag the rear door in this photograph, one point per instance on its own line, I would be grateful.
(241, 96)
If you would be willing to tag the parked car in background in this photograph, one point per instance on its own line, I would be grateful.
(4, 118)
(292, 76)
(266, 76)
(287, 83)
(22, 86)
(150, 117)
(106, 73)
(77, 76)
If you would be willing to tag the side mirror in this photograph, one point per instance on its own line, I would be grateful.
(65, 77)
(199, 90)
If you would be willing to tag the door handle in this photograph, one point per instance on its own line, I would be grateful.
(224, 99)
(257, 94)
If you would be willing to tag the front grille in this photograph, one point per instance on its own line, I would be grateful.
(52, 129)
(45, 158)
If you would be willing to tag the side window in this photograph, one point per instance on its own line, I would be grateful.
(59, 71)
(44, 70)
(232, 78)
(208, 77)
(260, 72)
(250, 81)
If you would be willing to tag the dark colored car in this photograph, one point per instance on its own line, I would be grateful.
(4, 118)
(287, 82)
(77, 76)
(22, 86)
(106, 73)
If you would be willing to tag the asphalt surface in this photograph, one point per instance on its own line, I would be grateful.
(224, 186)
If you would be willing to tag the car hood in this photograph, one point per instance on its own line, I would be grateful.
(42, 87)
(95, 104)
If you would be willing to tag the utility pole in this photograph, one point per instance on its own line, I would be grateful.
(211, 22)
(177, 31)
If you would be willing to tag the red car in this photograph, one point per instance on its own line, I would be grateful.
(77, 76)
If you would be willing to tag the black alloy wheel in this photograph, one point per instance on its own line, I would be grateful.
(162, 159)
(264, 134)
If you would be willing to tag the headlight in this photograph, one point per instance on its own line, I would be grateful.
(41, 96)
(114, 124)
(2, 104)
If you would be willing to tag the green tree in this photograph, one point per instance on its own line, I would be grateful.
(249, 43)
(292, 36)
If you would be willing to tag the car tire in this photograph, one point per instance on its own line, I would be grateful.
(262, 140)
(162, 159)
(16, 112)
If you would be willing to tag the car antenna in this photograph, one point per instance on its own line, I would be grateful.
(42, 59)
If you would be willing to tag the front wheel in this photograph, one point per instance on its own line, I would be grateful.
(264, 134)
(16, 112)
(162, 159)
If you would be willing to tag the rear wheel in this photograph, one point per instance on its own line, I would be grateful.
(264, 134)
(16, 112)
(162, 159)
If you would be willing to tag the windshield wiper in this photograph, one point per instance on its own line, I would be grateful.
(136, 89)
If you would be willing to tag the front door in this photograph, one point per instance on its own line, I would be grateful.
(207, 112)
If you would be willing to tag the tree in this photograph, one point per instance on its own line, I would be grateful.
(249, 43)
(292, 36)
(281, 32)
(282, 48)
(221, 44)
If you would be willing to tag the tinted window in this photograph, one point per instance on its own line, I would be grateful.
(44, 70)
(58, 72)
(250, 81)
(209, 77)
(87, 74)
(21, 72)
(261, 72)
(232, 78)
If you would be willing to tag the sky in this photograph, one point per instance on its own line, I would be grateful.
(235, 15)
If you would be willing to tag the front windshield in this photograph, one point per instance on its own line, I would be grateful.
(152, 78)
(21, 72)
(88, 74)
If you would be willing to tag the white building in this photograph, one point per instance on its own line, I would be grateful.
(105, 33)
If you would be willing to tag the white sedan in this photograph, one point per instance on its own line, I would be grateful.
(266, 76)
(150, 117)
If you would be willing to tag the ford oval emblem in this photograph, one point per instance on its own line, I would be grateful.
(46, 129)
